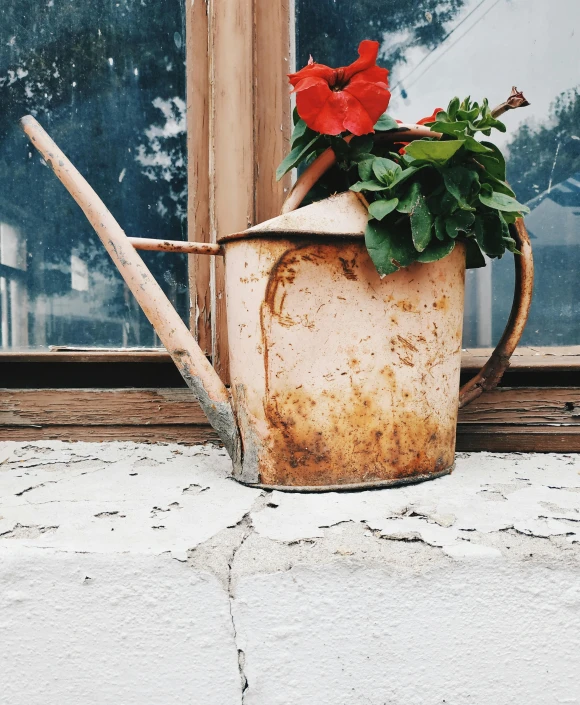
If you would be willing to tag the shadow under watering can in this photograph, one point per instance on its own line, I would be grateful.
(339, 379)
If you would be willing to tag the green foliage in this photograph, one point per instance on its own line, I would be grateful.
(438, 191)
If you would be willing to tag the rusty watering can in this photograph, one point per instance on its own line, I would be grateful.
(339, 379)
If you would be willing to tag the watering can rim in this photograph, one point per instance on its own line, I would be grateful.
(340, 215)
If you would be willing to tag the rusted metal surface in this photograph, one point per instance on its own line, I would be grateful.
(188, 248)
(178, 341)
(341, 378)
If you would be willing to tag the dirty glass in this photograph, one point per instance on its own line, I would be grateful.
(107, 80)
(436, 49)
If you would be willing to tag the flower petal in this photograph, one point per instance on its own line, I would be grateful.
(321, 109)
(373, 98)
(431, 118)
(312, 70)
(374, 74)
(368, 51)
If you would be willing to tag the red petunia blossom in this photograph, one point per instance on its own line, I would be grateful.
(431, 118)
(422, 121)
(351, 98)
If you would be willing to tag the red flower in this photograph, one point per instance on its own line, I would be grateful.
(351, 98)
(431, 118)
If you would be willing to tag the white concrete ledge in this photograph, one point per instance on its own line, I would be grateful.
(143, 574)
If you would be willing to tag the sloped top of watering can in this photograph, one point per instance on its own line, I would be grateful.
(342, 215)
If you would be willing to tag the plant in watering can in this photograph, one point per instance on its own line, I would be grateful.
(422, 197)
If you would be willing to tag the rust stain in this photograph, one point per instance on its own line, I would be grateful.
(348, 268)
(405, 306)
(407, 343)
(442, 304)
(357, 444)
(357, 438)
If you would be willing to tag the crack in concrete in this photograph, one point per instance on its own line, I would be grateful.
(248, 529)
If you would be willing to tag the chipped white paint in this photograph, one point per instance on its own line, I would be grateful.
(118, 497)
(535, 494)
(461, 590)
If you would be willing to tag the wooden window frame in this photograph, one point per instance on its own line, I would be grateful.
(238, 55)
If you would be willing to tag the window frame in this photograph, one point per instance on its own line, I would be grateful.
(237, 57)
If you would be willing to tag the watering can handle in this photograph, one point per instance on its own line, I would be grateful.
(491, 373)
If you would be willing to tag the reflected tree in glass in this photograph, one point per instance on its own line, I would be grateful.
(107, 80)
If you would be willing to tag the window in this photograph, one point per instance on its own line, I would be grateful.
(441, 48)
(107, 80)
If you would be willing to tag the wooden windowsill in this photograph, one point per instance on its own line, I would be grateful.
(526, 358)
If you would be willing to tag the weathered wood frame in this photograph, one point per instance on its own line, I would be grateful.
(238, 130)
(238, 55)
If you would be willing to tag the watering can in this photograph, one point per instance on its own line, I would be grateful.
(339, 379)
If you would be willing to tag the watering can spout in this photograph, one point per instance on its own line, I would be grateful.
(190, 360)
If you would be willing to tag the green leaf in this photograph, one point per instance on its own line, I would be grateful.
(450, 128)
(469, 115)
(385, 170)
(295, 157)
(442, 116)
(386, 123)
(390, 247)
(436, 250)
(453, 108)
(379, 209)
(362, 144)
(509, 218)
(295, 116)
(408, 201)
(421, 222)
(497, 170)
(488, 122)
(437, 152)
(405, 174)
(489, 235)
(498, 185)
(365, 168)
(475, 146)
(460, 182)
(460, 221)
(299, 130)
(440, 231)
(492, 165)
(473, 256)
(502, 202)
(367, 186)
(362, 157)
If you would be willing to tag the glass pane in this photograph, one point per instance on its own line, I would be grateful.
(436, 49)
(107, 81)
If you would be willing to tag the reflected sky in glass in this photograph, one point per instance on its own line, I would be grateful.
(437, 49)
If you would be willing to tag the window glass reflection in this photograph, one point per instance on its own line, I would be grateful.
(107, 81)
(440, 48)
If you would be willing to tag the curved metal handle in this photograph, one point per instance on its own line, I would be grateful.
(491, 373)
(191, 362)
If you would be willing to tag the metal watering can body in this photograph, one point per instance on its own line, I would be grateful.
(340, 379)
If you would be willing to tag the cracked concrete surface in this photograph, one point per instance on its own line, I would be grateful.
(245, 596)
